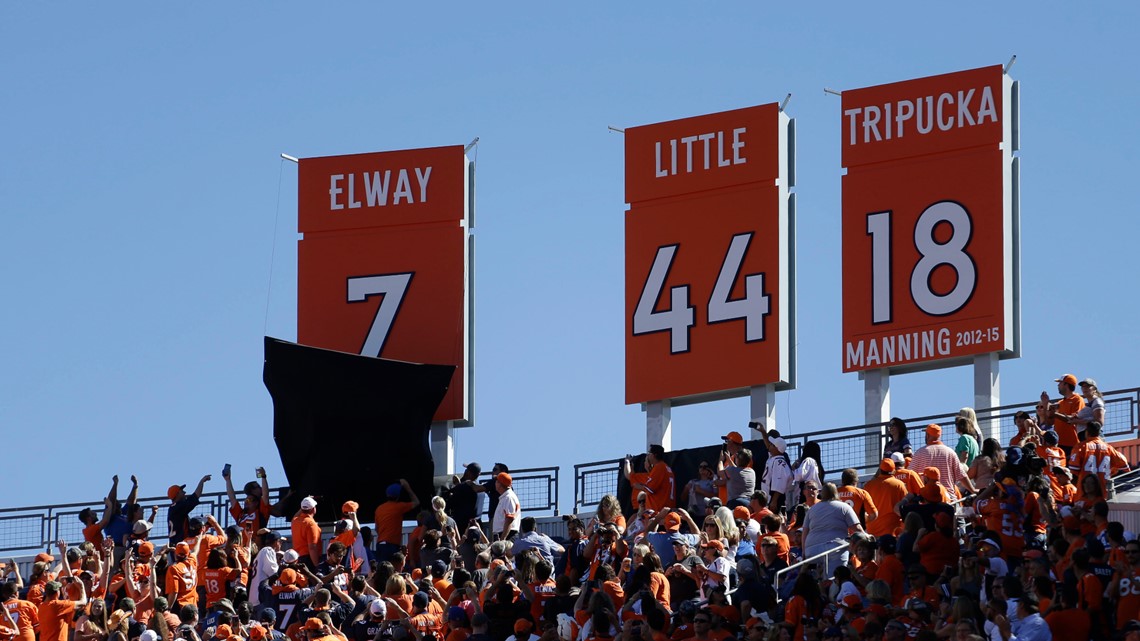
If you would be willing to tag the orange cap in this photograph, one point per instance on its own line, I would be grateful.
(146, 548)
(182, 549)
(288, 576)
(314, 624)
(503, 478)
(1067, 378)
(256, 632)
(716, 545)
(934, 430)
(741, 512)
(44, 557)
(349, 506)
(173, 490)
(223, 632)
(672, 522)
(887, 465)
(522, 626)
(932, 473)
(733, 437)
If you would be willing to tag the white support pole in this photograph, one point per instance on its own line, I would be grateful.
(659, 424)
(762, 405)
(443, 448)
(987, 392)
(876, 409)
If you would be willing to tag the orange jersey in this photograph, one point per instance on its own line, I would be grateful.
(543, 592)
(182, 582)
(250, 521)
(891, 571)
(26, 616)
(1127, 598)
(637, 478)
(209, 542)
(858, 499)
(1095, 457)
(216, 581)
(910, 479)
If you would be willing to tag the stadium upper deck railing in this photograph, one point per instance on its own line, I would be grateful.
(848, 447)
(34, 529)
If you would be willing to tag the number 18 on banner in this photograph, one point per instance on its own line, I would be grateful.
(707, 242)
(930, 230)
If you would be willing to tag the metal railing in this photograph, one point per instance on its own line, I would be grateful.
(858, 446)
(537, 489)
(28, 530)
(36, 528)
(594, 480)
(799, 564)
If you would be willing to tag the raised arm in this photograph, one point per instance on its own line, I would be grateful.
(134, 495)
(230, 487)
(201, 485)
(411, 493)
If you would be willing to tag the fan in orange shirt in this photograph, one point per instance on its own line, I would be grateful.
(182, 577)
(887, 492)
(859, 500)
(1066, 408)
(909, 478)
(217, 576)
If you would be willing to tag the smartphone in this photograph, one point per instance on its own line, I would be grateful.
(226, 470)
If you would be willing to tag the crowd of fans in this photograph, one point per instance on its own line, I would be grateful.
(971, 541)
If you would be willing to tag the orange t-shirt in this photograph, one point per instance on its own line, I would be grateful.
(1034, 518)
(26, 616)
(458, 634)
(659, 586)
(305, 530)
(886, 492)
(661, 491)
(543, 592)
(93, 534)
(1067, 432)
(794, 613)
(1070, 623)
(389, 517)
(891, 571)
(55, 618)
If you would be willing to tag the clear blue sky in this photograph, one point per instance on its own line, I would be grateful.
(139, 180)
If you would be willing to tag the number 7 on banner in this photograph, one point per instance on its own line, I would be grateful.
(392, 287)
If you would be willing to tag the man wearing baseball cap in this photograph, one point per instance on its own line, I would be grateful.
(887, 492)
(389, 519)
(936, 454)
(508, 513)
(1062, 411)
(911, 479)
(56, 614)
(181, 504)
(307, 534)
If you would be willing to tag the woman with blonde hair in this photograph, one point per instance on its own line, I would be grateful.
(728, 529)
(446, 524)
(609, 511)
(971, 423)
